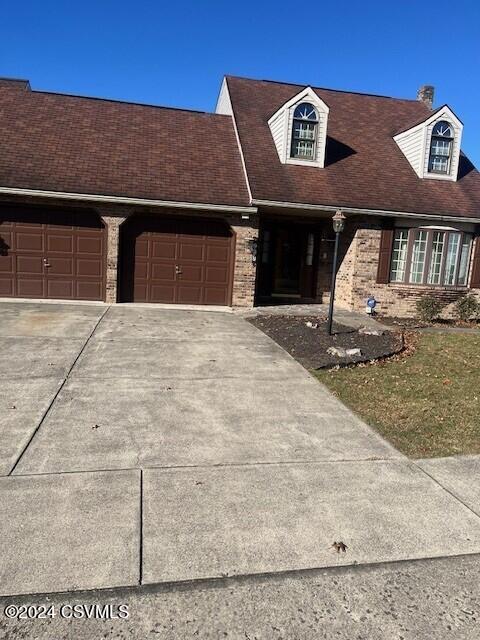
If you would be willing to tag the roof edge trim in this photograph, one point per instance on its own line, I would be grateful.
(99, 198)
(371, 212)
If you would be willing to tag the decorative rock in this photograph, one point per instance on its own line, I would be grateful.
(353, 352)
(312, 325)
(370, 331)
(340, 352)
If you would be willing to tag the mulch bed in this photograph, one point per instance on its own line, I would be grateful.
(309, 346)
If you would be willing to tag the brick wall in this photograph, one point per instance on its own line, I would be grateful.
(244, 276)
(356, 277)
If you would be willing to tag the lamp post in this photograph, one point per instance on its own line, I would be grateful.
(338, 222)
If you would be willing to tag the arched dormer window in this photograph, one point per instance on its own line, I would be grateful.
(304, 132)
(441, 148)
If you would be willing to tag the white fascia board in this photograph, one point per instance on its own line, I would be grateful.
(97, 198)
(226, 93)
(370, 212)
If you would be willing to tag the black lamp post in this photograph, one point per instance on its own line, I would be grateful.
(338, 222)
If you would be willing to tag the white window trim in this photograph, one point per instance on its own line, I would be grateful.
(424, 129)
(286, 112)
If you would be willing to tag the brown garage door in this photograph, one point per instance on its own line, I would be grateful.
(184, 261)
(51, 254)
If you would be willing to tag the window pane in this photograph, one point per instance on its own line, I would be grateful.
(439, 164)
(304, 130)
(303, 148)
(399, 256)
(418, 257)
(441, 147)
(451, 260)
(438, 241)
(463, 270)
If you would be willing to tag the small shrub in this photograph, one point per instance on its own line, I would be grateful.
(429, 308)
(467, 308)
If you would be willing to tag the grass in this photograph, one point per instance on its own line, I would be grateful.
(426, 404)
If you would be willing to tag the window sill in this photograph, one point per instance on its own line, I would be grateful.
(430, 287)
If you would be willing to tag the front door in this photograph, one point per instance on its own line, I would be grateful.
(288, 255)
(288, 263)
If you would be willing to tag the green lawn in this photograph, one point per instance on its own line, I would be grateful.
(426, 404)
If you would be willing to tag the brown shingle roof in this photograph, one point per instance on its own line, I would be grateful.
(364, 166)
(82, 145)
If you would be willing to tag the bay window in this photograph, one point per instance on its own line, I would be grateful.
(431, 257)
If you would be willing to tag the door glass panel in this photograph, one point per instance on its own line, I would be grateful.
(310, 245)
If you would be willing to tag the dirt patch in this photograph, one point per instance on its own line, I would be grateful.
(309, 345)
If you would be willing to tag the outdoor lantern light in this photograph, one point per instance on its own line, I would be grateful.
(338, 222)
(252, 244)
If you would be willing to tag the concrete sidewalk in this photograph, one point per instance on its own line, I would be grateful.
(156, 445)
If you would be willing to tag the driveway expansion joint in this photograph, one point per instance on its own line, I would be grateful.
(46, 412)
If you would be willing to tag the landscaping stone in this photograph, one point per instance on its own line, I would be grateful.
(317, 349)
(370, 331)
(353, 352)
(340, 352)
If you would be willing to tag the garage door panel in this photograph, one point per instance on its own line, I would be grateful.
(6, 287)
(162, 271)
(141, 248)
(60, 289)
(88, 290)
(161, 293)
(191, 274)
(59, 266)
(54, 253)
(30, 287)
(214, 295)
(217, 275)
(179, 260)
(163, 249)
(6, 264)
(218, 254)
(140, 292)
(189, 295)
(59, 243)
(26, 241)
(90, 245)
(91, 268)
(190, 251)
(29, 265)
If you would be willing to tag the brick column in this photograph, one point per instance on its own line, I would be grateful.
(113, 236)
(245, 270)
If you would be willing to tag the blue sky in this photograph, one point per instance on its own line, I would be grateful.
(175, 53)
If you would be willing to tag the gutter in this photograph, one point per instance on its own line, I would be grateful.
(370, 212)
(89, 197)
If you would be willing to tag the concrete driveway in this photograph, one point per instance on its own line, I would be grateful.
(144, 445)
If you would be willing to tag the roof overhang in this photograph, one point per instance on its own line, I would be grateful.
(320, 208)
(145, 202)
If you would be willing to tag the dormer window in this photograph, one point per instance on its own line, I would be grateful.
(304, 132)
(441, 148)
